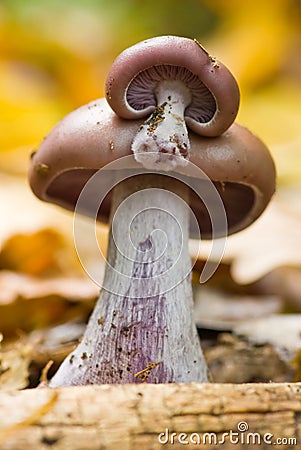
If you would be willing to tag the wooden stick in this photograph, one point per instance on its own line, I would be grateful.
(145, 416)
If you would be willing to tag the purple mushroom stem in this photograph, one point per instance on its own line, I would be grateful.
(142, 327)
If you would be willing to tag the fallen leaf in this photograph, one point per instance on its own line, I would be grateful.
(51, 344)
(284, 282)
(254, 40)
(36, 254)
(283, 331)
(260, 111)
(14, 367)
(22, 213)
(54, 342)
(14, 286)
(234, 360)
(297, 364)
(273, 241)
(28, 302)
(218, 310)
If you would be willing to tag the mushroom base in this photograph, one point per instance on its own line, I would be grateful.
(142, 327)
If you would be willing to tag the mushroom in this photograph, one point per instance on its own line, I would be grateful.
(142, 328)
(176, 81)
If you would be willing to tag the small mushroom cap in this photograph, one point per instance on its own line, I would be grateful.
(136, 72)
(237, 162)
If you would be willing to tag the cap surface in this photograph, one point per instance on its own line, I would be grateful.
(89, 138)
(136, 72)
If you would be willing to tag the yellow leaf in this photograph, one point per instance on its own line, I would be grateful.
(34, 254)
(274, 114)
(254, 38)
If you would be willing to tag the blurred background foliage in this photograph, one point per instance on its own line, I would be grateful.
(54, 56)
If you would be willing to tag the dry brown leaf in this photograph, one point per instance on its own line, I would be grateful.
(14, 286)
(234, 360)
(297, 364)
(14, 364)
(22, 212)
(273, 241)
(216, 309)
(54, 342)
(286, 282)
(283, 331)
(28, 302)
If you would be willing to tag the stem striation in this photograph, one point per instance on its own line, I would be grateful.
(142, 327)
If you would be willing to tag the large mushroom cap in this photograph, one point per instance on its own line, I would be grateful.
(136, 72)
(89, 138)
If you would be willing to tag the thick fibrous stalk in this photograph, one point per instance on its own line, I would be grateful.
(142, 327)
(164, 134)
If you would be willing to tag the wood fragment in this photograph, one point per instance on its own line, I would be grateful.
(144, 374)
(45, 370)
(138, 416)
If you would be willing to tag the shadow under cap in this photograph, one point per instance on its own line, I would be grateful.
(89, 138)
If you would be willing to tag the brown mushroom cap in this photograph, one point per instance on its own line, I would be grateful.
(135, 73)
(237, 162)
